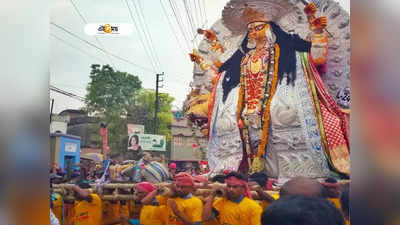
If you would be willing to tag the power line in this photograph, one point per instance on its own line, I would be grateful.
(172, 28)
(66, 93)
(101, 49)
(140, 36)
(142, 21)
(205, 11)
(189, 16)
(97, 40)
(178, 21)
(77, 48)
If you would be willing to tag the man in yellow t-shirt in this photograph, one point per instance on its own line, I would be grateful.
(87, 207)
(57, 206)
(150, 214)
(259, 182)
(111, 212)
(183, 208)
(236, 208)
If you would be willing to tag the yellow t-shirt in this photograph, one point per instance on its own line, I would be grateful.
(153, 215)
(124, 211)
(191, 207)
(336, 202)
(111, 212)
(265, 204)
(57, 206)
(88, 213)
(69, 213)
(231, 213)
(134, 209)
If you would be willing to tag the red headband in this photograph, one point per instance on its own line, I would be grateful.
(235, 181)
(331, 185)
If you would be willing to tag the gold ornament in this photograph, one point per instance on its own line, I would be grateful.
(257, 165)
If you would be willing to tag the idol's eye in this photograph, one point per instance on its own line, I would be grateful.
(260, 27)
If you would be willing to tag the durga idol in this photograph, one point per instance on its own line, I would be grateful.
(268, 110)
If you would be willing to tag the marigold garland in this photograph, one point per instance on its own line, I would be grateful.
(264, 137)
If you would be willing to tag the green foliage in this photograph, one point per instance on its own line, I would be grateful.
(143, 112)
(109, 89)
(118, 98)
(109, 95)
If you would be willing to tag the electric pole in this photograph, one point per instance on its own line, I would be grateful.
(158, 80)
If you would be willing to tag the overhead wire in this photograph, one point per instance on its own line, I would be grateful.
(179, 22)
(103, 50)
(66, 93)
(97, 40)
(189, 16)
(205, 12)
(140, 36)
(77, 48)
(172, 28)
(143, 23)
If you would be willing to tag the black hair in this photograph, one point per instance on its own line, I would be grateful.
(84, 184)
(344, 200)
(331, 180)
(237, 175)
(260, 178)
(302, 210)
(219, 179)
(288, 44)
(136, 139)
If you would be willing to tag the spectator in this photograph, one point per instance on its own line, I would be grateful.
(302, 186)
(302, 210)
(235, 207)
(172, 170)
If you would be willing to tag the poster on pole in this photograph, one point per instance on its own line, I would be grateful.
(149, 142)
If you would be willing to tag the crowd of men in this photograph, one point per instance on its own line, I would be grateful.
(301, 201)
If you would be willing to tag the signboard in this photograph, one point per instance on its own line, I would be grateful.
(150, 142)
(70, 147)
(135, 129)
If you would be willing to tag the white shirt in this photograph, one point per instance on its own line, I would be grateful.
(53, 219)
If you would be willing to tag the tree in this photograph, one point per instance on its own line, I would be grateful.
(143, 112)
(110, 94)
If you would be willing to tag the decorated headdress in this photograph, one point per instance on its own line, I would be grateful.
(237, 14)
(250, 15)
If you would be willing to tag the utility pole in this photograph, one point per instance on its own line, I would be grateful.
(51, 110)
(158, 80)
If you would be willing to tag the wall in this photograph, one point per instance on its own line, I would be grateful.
(182, 148)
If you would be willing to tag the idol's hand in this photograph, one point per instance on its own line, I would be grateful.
(195, 57)
(310, 9)
(319, 24)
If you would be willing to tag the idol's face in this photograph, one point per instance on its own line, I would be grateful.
(257, 30)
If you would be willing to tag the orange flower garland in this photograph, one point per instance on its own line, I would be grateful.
(264, 137)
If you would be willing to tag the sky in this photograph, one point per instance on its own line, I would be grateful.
(71, 57)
